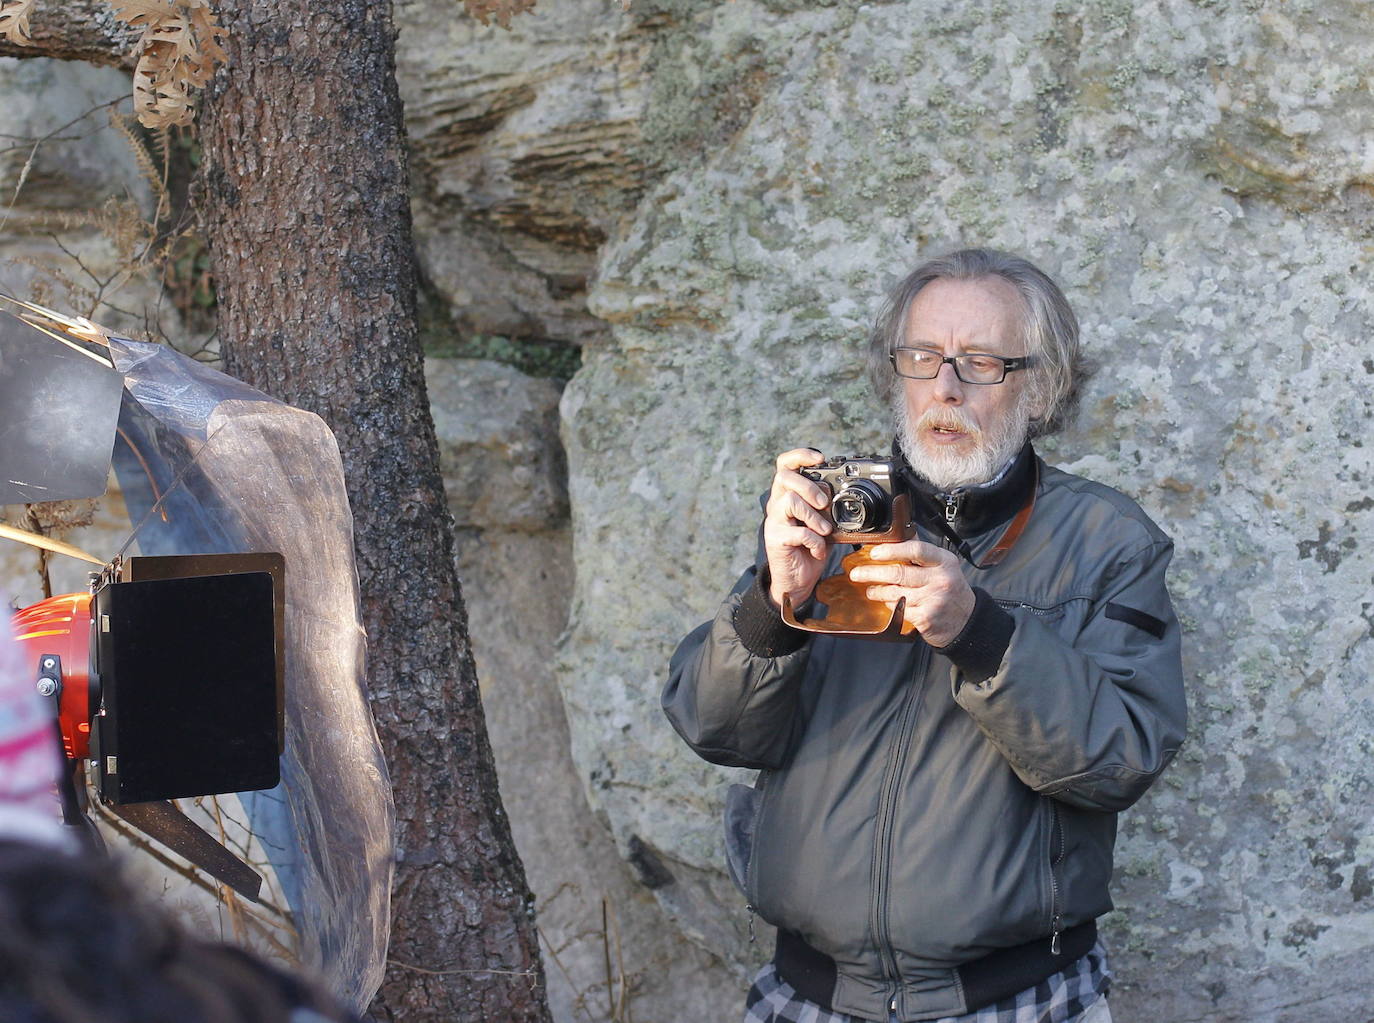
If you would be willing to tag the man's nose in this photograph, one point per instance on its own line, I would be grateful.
(949, 389)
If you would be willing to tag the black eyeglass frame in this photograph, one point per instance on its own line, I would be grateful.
(1009, 365)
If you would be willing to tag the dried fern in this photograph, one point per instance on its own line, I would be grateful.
(136, 248)
(144, 159)
(162, 149)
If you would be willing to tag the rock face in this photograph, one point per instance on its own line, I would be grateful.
(1197, 180)
(524, 159)
(608, 954)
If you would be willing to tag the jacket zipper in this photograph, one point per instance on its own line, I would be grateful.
(751, 895)
(952, 503)
(1011, 605)
(1056, 858)
(882, 844)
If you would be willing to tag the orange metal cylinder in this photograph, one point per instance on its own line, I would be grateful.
(62, 625)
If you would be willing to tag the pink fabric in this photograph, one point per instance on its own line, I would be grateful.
(29, 757)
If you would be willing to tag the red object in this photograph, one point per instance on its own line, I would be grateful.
(62, 625)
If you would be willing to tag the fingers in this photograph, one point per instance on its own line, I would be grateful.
(914, 613)
(798, 457)
(896, 575)
(799, 536)
(889, 595)
(913, 552)
(795, 526)
(790, 508)
(910, 563)
(790, 525)
(788, 480)
(939, 613)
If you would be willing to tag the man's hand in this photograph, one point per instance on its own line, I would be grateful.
(795, 527)
(938, 600)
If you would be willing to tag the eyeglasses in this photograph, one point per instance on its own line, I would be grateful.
(925, 363)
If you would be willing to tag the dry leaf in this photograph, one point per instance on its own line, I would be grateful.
(175, 32)
(143, 12)
(208, 34)
(500, 11)
(14, 21)
(178, 52)
(159, 101)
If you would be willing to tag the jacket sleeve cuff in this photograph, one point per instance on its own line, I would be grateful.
(979, 648)
(760, 625)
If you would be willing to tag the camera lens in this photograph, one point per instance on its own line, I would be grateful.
(856, 508)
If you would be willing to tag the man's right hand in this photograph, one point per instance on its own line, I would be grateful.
(795, 528)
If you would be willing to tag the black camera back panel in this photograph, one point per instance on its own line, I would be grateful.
(188, 677)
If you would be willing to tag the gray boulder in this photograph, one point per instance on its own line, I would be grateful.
(1196, 180)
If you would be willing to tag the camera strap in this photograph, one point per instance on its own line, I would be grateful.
(1016, 527)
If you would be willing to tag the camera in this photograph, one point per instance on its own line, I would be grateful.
(864, 492)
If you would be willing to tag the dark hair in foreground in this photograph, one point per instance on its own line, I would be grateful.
(1050, 329)
(77, 945)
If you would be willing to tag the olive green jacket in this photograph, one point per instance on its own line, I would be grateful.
(913, 816)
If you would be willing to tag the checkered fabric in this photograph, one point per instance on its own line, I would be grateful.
(1061, 998)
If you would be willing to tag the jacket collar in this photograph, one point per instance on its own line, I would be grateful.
(969, 511)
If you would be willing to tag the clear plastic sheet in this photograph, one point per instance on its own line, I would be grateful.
(209, 465)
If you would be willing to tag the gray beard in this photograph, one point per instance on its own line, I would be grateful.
(947, 470)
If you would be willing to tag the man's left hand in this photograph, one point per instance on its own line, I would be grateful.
(938, 600)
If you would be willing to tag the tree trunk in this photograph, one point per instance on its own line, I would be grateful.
(305, 207)
(303, 198)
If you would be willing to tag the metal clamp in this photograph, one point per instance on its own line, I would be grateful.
(49, 683)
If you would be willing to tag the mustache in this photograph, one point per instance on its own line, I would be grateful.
(947, 417)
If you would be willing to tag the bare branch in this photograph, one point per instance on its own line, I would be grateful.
(77, 30)
(30, 141)
(450, 973)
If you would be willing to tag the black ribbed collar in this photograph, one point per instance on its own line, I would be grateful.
(978, 508)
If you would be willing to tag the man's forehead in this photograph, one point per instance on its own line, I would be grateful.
(985, 310)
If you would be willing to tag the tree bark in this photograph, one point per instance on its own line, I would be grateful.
(305, 208)
(304, 202)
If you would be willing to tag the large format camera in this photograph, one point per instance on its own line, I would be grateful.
(863, 492)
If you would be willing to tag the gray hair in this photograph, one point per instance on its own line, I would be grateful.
(1050, 330)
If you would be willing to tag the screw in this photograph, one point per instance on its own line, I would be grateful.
(47, 686)
(49, 662)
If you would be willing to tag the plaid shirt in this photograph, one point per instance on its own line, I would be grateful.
(1060, 998)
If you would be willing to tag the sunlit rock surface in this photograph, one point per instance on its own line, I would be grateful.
(1198, 178)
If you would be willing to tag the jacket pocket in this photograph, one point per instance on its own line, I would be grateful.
(1051, 615)
(742, 805)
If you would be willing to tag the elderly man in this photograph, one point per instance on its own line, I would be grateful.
(932, 827)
